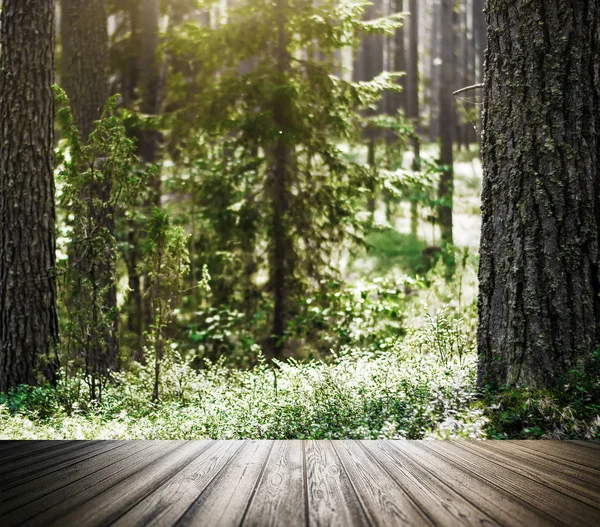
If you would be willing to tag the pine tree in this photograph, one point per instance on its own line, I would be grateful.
(539, 302)
(28, 314)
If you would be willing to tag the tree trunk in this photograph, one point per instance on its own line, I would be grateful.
(412, 102)
(281, 268)
(28, 315)
(447, 123)
(434, 68)
(84, 68)
(84, 76)
(479, 35)
(398, 100)
(539, 303)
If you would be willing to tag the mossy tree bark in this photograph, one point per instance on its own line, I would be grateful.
(539, 303)
(28, 315)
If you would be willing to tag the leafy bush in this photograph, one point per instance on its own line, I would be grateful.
(403, 392)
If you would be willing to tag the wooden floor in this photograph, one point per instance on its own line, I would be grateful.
(299, 483)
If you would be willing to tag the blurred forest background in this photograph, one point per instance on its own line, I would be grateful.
(268, 226)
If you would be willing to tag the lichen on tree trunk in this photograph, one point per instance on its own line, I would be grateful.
(539, 272)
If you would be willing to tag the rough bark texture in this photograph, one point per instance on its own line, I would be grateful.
(447, 122)
(84, 69)
(539, 273)
(28, 316)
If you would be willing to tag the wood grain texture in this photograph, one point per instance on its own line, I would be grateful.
(170, 501)
(385, 500)
(433, 496)
(483, 494)
(536, 494)
(299, 483)
(280, 491)
(332, 499)
(58, 462)
(228, 495)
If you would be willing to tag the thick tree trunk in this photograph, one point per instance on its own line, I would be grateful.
(28, 316)
(84, 76)
(447, 123)
(539, 303)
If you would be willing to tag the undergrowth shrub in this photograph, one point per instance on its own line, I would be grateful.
(403, 392)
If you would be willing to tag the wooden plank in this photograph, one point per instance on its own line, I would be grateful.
(381, 485)
(544, 468)
(224, 501)
(538, 472)
(27, 492)
(23, 449)
(332, 499)
(589, 443)
(11, 445)
(25, 474)
(587, 459)
(280, 492)
(167, 502)
(10, 465)
(562, 507)
(493, 501)
(440, 503)
(547, 454)
(100, 476)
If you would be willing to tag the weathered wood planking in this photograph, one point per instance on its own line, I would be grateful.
(299, 483)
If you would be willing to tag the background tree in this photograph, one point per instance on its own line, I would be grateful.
(92, 259)
(412, 99)
(539, 303)
(447, 121)
(28, 314)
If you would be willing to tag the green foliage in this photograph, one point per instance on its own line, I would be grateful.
(572, 411)
(95, 181)
(400, 393)
(393, 249)
(165, 263)
(273, 89)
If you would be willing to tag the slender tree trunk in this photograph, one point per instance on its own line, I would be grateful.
(480, 35)
(447, 123)
(149, 69)
(281, 257)
(28, 315)
(539, 302)
(434, 118)
(398, 101)
(412, 102)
